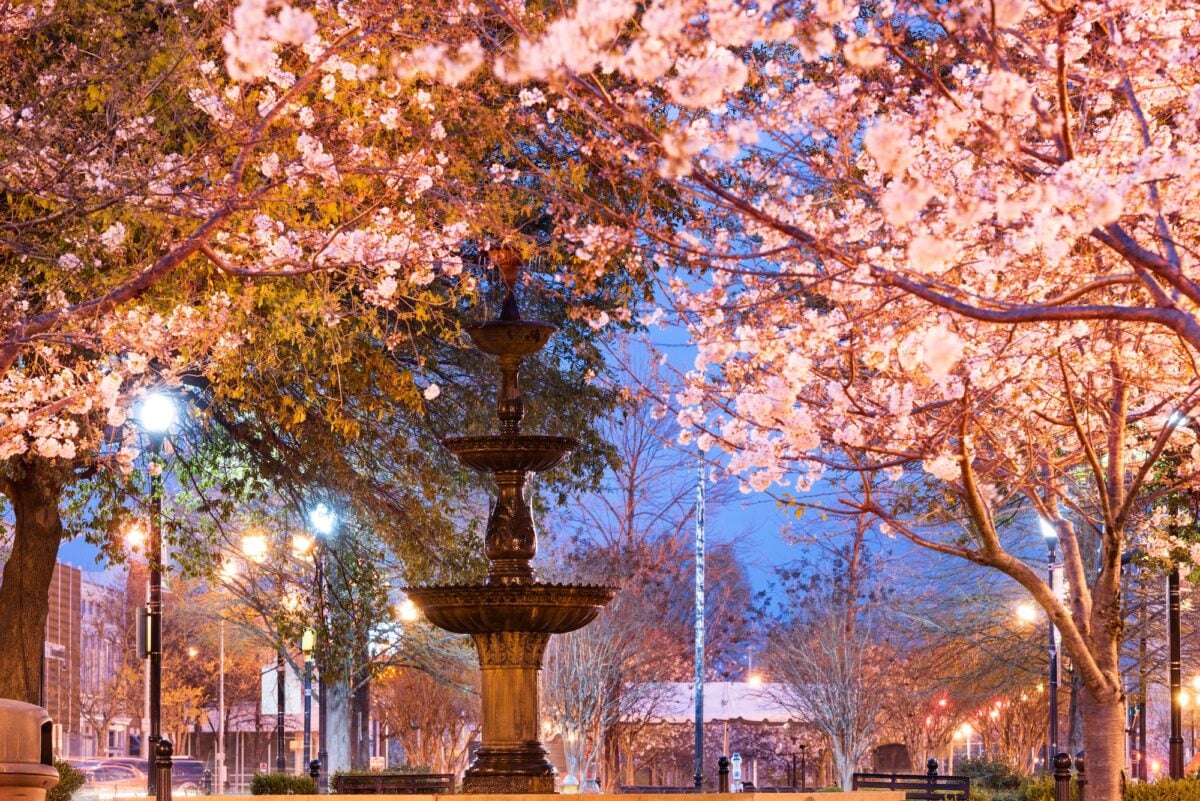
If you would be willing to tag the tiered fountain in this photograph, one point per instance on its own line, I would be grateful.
(511, 616)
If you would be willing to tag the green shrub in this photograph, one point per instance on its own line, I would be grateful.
(980, 792)
(1164, 790)
(282, 784)
(994, 774)
(70, 779)
(1040, 789)
(1001, 795)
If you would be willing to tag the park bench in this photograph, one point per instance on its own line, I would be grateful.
(393, 783)
(917, 787)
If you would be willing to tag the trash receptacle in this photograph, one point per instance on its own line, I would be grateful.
(26, 754)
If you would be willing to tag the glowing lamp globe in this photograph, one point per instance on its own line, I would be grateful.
(323, 519)
(1048, 530)
(157, 413)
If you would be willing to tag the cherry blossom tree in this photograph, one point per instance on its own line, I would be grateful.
(949, 253)
(209, 185)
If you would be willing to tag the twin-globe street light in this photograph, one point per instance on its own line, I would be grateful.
(157, 414)
(256, 549)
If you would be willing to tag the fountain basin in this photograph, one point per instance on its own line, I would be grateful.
(497, 453)
(510, 337)
(534, 608)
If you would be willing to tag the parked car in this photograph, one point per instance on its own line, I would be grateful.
(109, 779)
(187, 773)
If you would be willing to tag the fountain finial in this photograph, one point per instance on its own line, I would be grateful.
(508, 260)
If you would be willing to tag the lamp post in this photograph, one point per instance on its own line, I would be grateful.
(323, 520)
(280, 700)
(793, 738)
(156, 416)
(1051, 537)
(1175, 743)
(220, 756)
(803, 768)
(307, 643)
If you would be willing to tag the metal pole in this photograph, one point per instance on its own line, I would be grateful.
(322, 727)
(280, 759)
(222, 785)
(1052, 749)
(154, 617)
(803, 768)
(1143, 761)
(1144, 624)
(698, 777)
(1175, 744)
(307, 708)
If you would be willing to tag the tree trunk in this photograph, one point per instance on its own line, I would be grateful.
(338, 717)
(34, 492)
(843, 765)
(1104, 743)
(361, 716)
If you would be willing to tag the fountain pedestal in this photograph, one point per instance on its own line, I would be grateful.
(512, 759)
(512, 617)
(511, 625)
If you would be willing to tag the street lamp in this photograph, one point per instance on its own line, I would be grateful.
(156, 416)
(1174, 677)
(408, 611)
(323, 521)
(307, 644)
(1051, 537)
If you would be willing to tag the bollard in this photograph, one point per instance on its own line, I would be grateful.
(206, 783)
(1080, 778)
(723, 775)
(931, 776)
(314, 770)
(1062, 777)
(162, 770)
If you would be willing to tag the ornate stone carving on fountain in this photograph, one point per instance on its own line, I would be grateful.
(511, 617)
